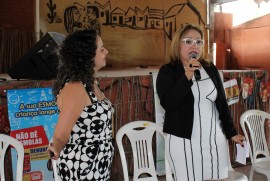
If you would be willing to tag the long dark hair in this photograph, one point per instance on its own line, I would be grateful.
(76, 60)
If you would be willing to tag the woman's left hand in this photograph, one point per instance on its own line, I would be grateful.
(238, 139)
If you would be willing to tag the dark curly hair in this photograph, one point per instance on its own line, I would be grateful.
(76, 60)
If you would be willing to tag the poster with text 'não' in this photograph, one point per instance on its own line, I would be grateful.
(33, 114)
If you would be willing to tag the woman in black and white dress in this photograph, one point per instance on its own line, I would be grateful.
(197, 118)
(82, 140)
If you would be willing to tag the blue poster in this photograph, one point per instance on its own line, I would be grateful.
(33, 114)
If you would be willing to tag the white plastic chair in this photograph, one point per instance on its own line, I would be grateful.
(234, 175)
(55, 172)
(253, 125)
(140, 135)
(5, 142)
(54, 165)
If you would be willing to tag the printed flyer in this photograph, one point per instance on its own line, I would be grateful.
(232, 91)
(33, 114)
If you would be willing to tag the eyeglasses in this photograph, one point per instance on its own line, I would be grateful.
(190, 42)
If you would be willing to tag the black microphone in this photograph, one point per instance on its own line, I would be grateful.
(197, 73)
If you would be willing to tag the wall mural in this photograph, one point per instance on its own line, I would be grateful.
(136, 32)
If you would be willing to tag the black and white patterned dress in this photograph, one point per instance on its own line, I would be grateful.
(89, 152)
(205, 156)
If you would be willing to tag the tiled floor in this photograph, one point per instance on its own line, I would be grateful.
(243, 169)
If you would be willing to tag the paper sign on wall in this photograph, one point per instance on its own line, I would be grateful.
(231, 91)
(33, 114)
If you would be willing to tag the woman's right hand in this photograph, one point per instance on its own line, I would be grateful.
(189, 73)
(51, 152)
(192, 66)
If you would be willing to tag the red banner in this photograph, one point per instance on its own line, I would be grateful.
(31, 137)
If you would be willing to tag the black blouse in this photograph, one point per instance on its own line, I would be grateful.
(175, 94)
